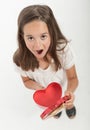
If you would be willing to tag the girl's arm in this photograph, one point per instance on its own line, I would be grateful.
(29, 83)
(72, 79)
(71, 85)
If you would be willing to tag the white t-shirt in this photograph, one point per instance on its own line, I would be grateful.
(46, 76)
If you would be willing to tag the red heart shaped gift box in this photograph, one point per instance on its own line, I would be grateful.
(48, 96)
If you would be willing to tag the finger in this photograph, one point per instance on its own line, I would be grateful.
(68, 105)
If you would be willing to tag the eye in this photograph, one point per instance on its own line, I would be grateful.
(30, 38)
(43, 37)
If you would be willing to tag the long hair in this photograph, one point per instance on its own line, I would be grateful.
(23, 57)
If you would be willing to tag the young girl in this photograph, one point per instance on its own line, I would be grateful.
(44, 54)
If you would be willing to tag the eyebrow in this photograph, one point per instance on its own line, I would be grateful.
(28, 35)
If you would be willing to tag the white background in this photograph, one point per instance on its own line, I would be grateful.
(17, 108)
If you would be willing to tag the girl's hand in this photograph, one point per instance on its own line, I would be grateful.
(40, 88)
(69, 103)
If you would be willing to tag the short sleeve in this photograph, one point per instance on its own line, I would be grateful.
(20, 71)
(66, 57)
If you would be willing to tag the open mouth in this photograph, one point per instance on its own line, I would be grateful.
(39, 51)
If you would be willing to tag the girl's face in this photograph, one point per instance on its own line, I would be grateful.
(37, 38)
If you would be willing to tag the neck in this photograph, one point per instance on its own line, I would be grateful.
(44, 63)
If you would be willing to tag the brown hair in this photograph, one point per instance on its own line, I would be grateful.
(23, 57)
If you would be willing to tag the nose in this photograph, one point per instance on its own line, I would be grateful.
(38, 45)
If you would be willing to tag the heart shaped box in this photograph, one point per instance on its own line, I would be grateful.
(48, 96)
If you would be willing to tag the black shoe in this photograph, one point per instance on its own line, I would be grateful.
(58, 115)
(71, 113)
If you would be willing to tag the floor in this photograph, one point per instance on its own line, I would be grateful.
(18, 111)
